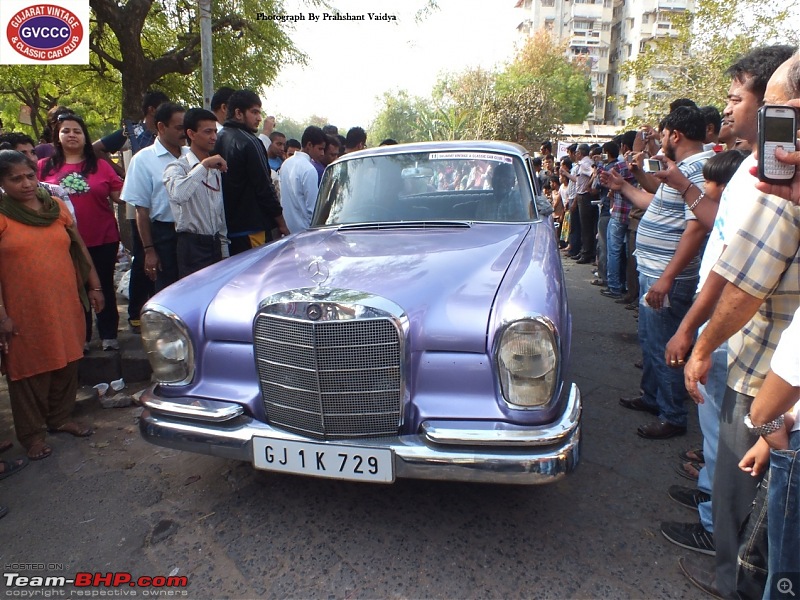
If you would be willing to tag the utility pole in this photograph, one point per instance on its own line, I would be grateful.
(206, 53)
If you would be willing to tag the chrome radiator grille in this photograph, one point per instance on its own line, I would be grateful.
(331, 379)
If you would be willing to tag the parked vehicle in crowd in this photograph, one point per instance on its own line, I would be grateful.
(418, 329)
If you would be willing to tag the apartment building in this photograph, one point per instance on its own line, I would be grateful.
(604, 34)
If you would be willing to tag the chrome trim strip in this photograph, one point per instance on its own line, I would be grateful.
(334, 305)
(343, 301)
(203, 410)
(414, 457)
(492, 433)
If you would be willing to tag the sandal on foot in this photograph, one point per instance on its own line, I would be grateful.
(12, 466)
(693, 455)
(6, 445)
(689, 470)
(73, 428)
(39, 451)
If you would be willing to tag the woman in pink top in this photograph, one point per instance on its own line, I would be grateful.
(93, 187)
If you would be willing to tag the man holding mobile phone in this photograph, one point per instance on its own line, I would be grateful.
(668, 241)
(759, 313)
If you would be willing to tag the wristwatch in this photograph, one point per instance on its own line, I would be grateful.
(764, 429)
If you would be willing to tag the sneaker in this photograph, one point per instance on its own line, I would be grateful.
(110, 345)
(611, 294)
(688, 497)
(135, 325)
(692, 536)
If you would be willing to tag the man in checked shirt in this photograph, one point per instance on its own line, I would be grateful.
(194, 186)
(761, 266)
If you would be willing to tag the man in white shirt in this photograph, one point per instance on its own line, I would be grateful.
(266, 132)
(298, 178)
(144, 188)
(194, 185)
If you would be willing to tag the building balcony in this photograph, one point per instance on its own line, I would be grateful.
(588, 10)
(584, 37)
(664, 30)
(673, 4)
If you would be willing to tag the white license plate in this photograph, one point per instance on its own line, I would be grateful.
(355, 463)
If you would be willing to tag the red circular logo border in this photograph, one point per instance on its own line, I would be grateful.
(12, 31)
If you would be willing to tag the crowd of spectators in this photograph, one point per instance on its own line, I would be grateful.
(198, 186)
(707, 257)
(679, 228)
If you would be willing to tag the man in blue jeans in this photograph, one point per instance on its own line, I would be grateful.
(668, 243)
(617, 227)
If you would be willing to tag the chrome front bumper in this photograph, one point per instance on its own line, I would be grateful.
(444, 450)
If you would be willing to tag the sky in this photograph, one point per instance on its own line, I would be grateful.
(351, 63)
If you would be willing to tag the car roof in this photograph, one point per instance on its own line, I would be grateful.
(445, 146)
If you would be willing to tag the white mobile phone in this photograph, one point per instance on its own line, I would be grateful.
(651, 165)
(777, 127)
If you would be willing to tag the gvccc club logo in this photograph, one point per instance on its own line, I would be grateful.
(44, 33)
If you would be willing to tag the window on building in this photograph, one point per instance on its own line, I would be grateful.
(605, 26)
(601, 78)
(645, 19)
(628, 50)
(603, 52)
(643, 46)
(586, 25)
(549, 24)
(548, 3)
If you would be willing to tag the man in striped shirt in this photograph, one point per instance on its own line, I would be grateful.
(668, 245)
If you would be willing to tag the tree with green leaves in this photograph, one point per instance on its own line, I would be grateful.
(526, 103)
(152, 43)
(542, 62)
(692, 63)
(40, 87)
(399, 118)
(527, 115)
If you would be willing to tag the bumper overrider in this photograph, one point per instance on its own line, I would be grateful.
(473, 451)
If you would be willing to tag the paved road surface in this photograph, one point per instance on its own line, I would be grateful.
(114, 503)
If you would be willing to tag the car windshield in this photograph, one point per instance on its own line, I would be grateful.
(426, 186)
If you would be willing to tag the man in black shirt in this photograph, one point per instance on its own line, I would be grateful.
(252, 208)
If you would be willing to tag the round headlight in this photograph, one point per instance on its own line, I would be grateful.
(168, 346)
(527, 362)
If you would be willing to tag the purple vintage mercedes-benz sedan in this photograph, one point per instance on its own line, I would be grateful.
(418, 329)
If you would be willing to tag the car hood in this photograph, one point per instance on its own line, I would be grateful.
(444, 278)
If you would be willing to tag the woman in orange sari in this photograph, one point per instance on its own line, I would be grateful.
(43, 267)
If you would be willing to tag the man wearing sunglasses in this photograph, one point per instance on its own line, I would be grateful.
(194, 185)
